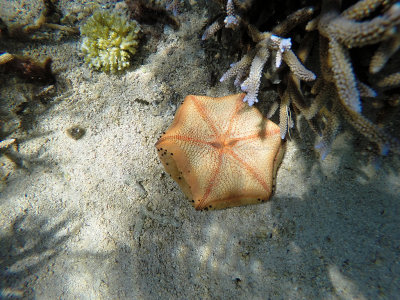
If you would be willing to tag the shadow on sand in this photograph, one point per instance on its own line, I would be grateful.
(28, 246)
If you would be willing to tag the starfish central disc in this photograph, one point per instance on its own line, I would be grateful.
(221, 152)
(223, 143)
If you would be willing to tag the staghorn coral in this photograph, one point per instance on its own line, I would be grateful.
(268, 44)
(232, 21)
(344, 33)
(339, 33)
(391, 80)
(110, 41)
(336, 44)
(385, 52)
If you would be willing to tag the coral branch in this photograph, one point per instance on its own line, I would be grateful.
(252, 83)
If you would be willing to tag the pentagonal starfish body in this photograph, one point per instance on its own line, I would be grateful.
(221, 152)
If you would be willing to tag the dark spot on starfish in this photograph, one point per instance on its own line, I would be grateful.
(179, 177)
(166, 164)
(206, 208)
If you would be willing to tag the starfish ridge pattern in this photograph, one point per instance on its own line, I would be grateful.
(221, 152)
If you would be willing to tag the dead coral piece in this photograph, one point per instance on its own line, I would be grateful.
(48, 19)
(75, 132)
(147, 13)
(28, 69)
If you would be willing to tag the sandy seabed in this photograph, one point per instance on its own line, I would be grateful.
(98, 218)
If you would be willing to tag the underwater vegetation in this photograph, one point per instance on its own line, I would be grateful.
(110, 41)
(328, 62)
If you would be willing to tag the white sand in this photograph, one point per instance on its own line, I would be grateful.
(98, 218)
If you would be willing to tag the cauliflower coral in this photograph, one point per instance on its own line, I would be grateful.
(110, 41)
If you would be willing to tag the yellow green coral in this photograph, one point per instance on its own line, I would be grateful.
(110, 41)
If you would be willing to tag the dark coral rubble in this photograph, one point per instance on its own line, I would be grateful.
(27, 68)
(147, 13)
(334, 63)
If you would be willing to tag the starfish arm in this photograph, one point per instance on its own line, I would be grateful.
(250, 170)
(182, 138)
(203, 202)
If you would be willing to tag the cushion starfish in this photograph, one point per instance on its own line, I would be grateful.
(221, 152)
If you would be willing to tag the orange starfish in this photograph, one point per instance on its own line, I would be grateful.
(221, 152)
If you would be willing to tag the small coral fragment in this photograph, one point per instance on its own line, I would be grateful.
(75, 132)
(146, 12)
(28, 69)
(110, 41)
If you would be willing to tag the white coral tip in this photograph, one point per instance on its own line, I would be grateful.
(250, 99)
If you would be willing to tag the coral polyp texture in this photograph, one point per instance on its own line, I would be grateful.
(333, 62)
(110, 41)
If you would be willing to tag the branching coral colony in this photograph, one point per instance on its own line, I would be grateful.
(334, 39)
